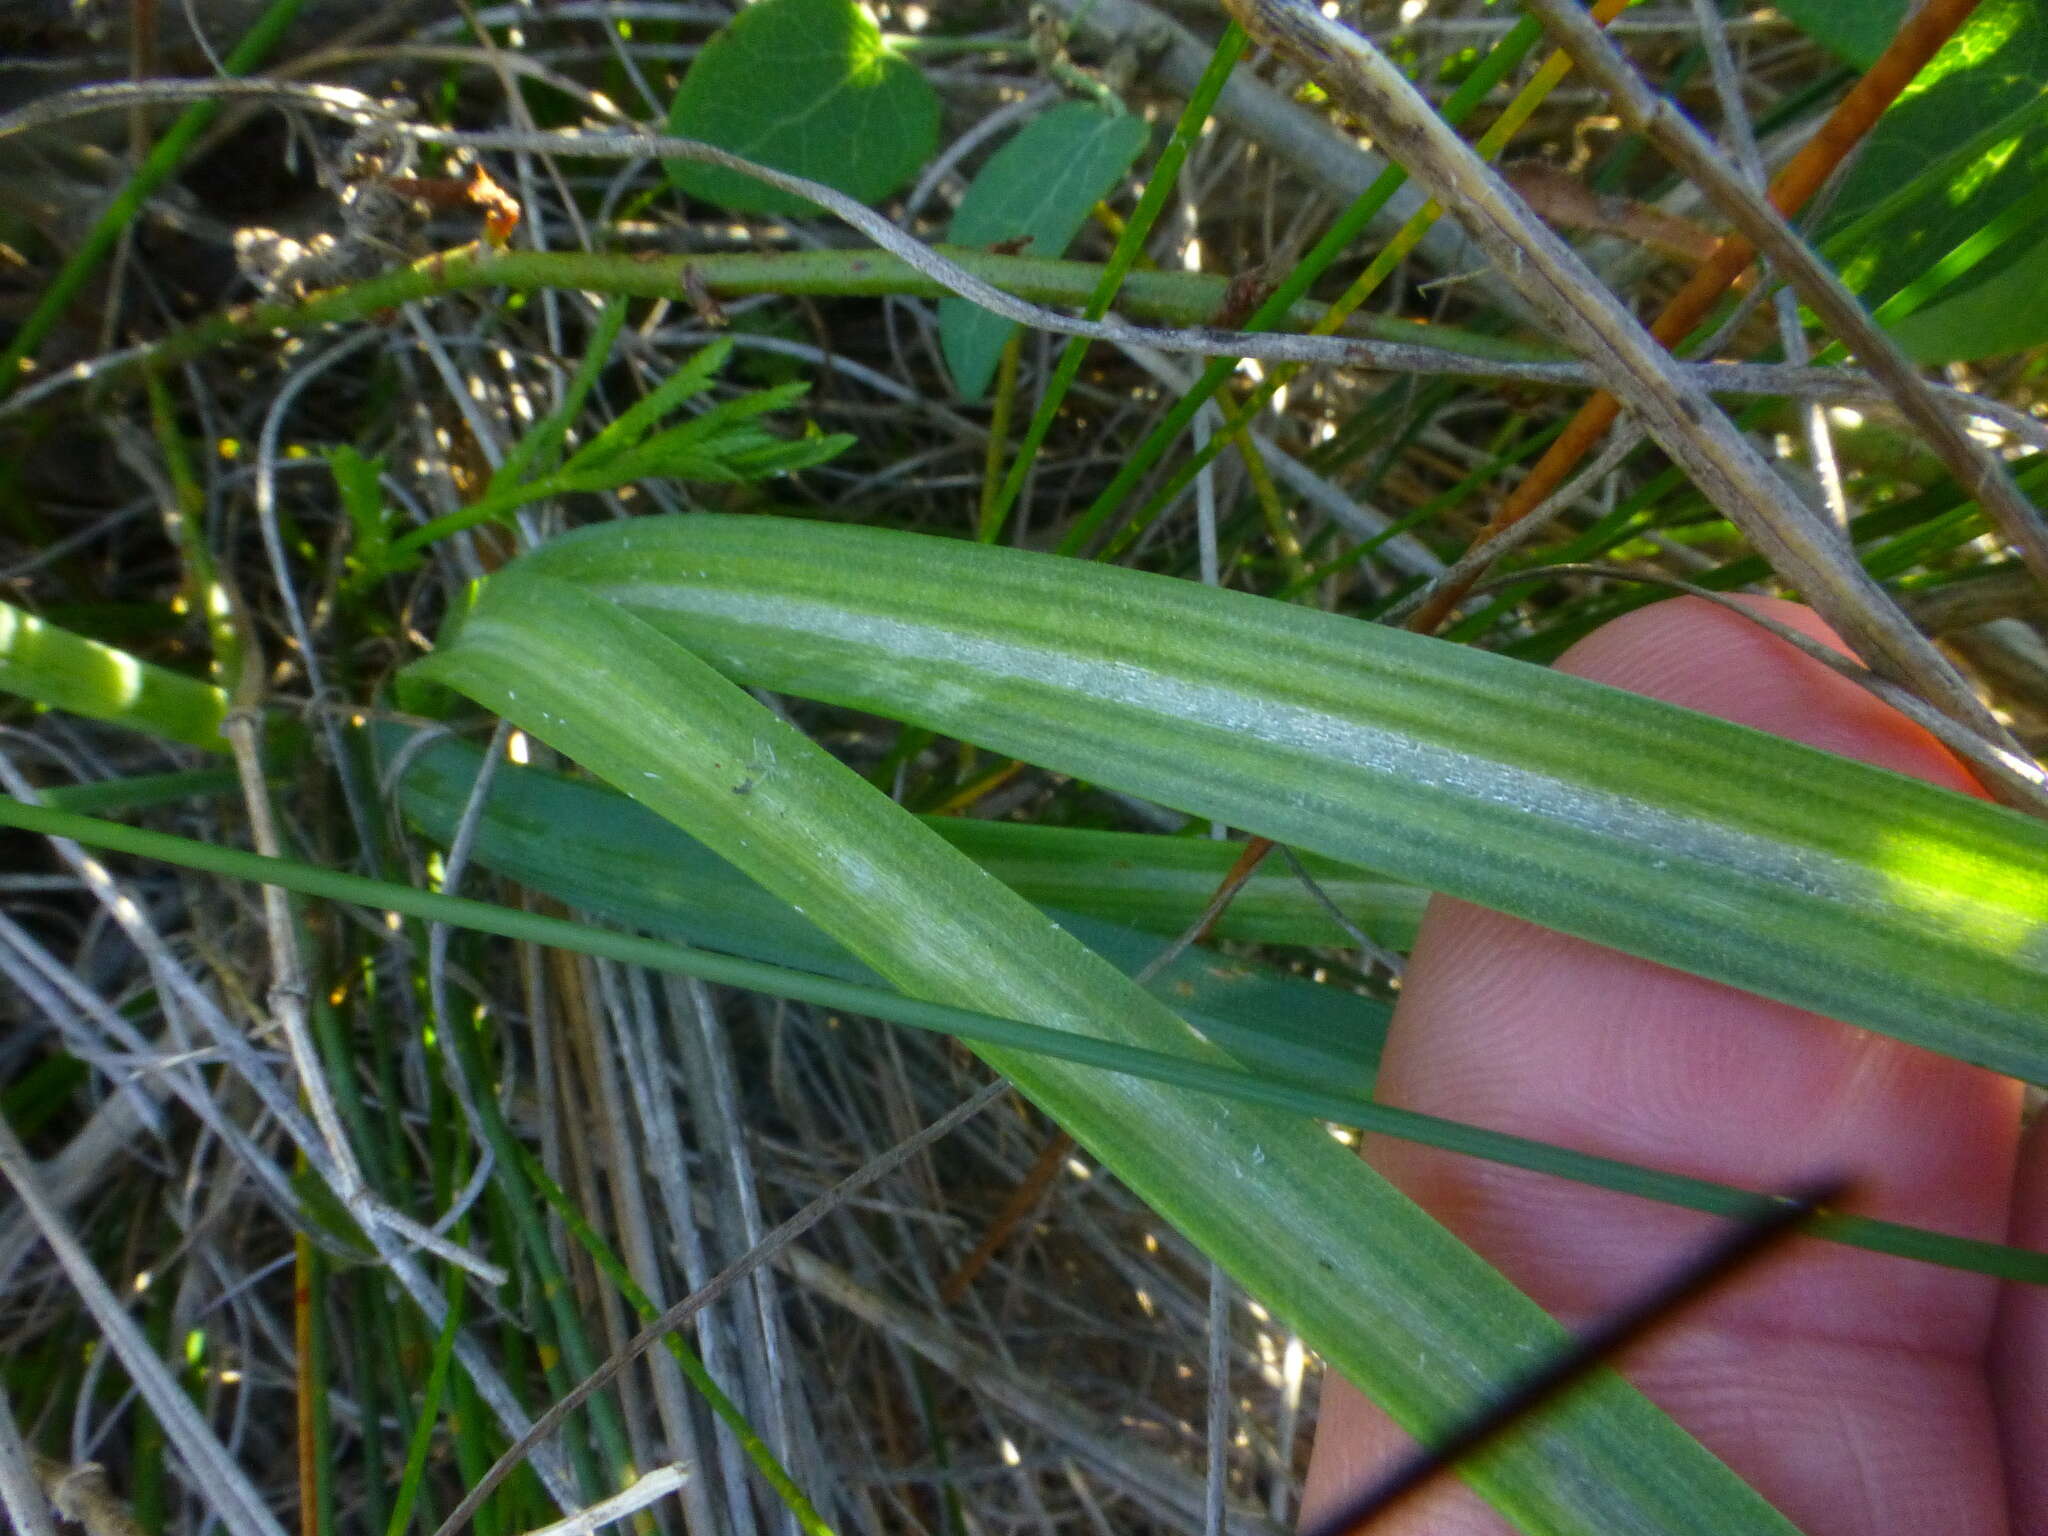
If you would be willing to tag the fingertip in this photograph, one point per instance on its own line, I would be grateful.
(1535, 1033)
(2019, 1348)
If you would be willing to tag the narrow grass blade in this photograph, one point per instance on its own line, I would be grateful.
(1329, 1103)
(618, 858)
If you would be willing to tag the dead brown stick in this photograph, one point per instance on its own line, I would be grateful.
(1700, 440)
(1681, 142)
(1802, 176)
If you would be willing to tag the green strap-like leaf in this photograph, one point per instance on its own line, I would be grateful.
(53, 666)
(1381, 1290)
(1836, 886)
(598, 850)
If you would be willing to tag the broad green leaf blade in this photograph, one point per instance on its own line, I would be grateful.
(53, 666)
(1039, 187)
(1707, 846)
(543, 828)
(1162, 884)
(1855, 30)
(808, 87)
(2004, 314)
(593, 848)
(1943, 196)
(1382, 1291)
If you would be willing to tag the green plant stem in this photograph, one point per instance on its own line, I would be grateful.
(67, 671)
(167, 155)
(430, 1413)
(318, 1365)
(556, 1325)
(877, 1002)
(541, 447)
(372, 1316)
(1178, 298)
(992, 487)
(184, 522)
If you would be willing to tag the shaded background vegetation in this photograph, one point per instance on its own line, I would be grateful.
(1081, 1380)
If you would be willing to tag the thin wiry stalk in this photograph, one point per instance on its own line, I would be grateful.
(716, 1113)
(287, 995)
(770, 1249)
(720, 1328)
(1463, 573)
(1739, 134)
(1685, 423)
(173, 980)
(240, 1507)
(679, 1420)
(648, 1488)
(1982, 473)
(1404, 552)
(1219, 1402)
(1036, 1403)
(629, 1215)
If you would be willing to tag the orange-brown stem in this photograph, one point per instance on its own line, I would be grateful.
(1023, 1200)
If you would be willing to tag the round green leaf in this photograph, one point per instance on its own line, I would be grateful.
(808, 87)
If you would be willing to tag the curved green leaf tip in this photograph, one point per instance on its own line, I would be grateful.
(808, 87)
(54, 667)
